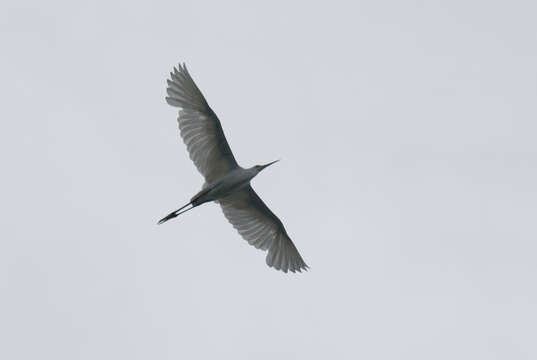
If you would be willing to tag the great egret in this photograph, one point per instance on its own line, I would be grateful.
(225, 181)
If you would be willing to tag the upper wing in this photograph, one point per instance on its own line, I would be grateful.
(199, 126)
(262, 229)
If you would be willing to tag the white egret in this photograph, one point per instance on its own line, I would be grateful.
(225, 181)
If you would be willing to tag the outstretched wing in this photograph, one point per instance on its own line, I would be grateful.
(199, 127)
(262, 229)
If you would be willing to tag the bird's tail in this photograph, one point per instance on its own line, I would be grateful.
(176, 213)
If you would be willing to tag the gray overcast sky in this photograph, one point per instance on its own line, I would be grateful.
(408, 182)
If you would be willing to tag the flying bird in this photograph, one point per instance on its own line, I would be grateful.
(227, 183)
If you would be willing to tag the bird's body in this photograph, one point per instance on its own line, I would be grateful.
(226, 182)
(234, 180)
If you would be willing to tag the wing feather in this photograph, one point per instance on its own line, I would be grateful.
(261, 228)
(199, 127)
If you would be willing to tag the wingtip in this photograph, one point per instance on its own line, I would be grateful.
(294, 270)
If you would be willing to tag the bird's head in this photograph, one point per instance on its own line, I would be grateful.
(261, 167)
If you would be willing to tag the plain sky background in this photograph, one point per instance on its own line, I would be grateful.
(408, 136)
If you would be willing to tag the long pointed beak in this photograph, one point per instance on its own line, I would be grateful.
(270, 163)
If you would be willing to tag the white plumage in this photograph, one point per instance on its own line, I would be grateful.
(225, 181)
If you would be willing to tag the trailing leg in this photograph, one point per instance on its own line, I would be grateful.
(176, 213)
